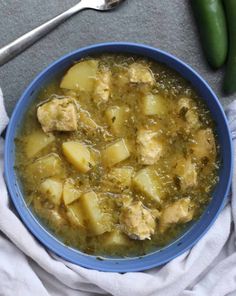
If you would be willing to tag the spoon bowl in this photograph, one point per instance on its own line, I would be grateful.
(102, 5)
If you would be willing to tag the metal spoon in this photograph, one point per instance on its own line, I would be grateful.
(14, 48)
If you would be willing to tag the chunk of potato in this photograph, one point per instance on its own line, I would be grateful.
(47, 166)
(121, 177)
(186, 171)
(75, 214)
(36, 142)
(102, 86)
(116, 117)
(147, 182)
(81, 76)
(52, 189)
(92, 213)
(204, 144)
(140, 73)
(70, 193)
(115, 239)
(78, 155)
(121, 79)
(181, 211)
(115, 153)
(153, 104)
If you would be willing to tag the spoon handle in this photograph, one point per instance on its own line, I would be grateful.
(14, 48)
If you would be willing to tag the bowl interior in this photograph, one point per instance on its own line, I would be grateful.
(194, 231)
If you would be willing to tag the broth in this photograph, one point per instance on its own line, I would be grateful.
(118, 156)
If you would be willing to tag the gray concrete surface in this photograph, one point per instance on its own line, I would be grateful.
(166, 24)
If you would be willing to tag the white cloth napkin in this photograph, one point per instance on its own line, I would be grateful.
(27, 268)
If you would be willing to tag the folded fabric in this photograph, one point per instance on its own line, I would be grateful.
(27, 268)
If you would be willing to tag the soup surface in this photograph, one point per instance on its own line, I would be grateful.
(117, 155)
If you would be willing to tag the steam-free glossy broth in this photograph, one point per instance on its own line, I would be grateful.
(117, 155)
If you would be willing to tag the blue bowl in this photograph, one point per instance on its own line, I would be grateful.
(194, 232)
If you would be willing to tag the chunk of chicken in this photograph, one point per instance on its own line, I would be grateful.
(192, 119)
(58, 115)
(139, 73)
(204, 144)
(186, 171)
(136, 221)
(86, 121)
(187, 107)
(51, 215)
(184, 104)
(150, 148)
(181, 211)
(102, 87)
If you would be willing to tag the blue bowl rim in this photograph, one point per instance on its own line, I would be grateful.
(112, 265)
